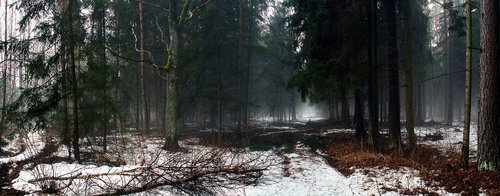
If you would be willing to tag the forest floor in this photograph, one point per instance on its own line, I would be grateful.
(315, 158)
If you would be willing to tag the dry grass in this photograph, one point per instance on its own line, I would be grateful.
(438, 169)
(347, 152)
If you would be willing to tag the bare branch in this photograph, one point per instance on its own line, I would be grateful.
(197, 9)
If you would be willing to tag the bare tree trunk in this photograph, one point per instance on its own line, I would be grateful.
(293, 107)
(468, 82)
(4, 74)
(373, 119)
(488, 155)
(176, 23)
(171, 90)
(76, 133)
(102, 60)
(449, 103)
(240, 67)
(246, 107)
(420, 106)
(431, 97)
(64, 69)
(412, 138)
(138, 102)
(359, 114)
(394, 102)
(219, 91)
(65, 132)
(143, 81)
(345, 109)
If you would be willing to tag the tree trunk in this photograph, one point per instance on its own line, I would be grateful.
(431, 98)
(4, 73)
(171, 90)
(345, 109)
(420, 106)
(240, 67)
(103, 64)
(373, 119)
(175, 25)
(219, 92)
(76, 134)
(359, 114)
(394, 102)
(219, 84)
(449, 103)
(143, 74)
(412, 138)
(468, 82)
(488, 155)
(65, 132)
(246, 107)
(138, 101)
(293, 107)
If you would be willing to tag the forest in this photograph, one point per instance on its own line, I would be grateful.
(249, 97)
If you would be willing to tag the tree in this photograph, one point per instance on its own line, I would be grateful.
(330, 50)
(175, 25)
(468, 84)
(73, 10)
(488, 158)
(373, 121)
(412, 138)
(359, 114)
(449, 37)
(240, 66)
(143, 74)
(4, 77)
(394, 107)
(4, 71)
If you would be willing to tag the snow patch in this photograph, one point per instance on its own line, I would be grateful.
(33, 144)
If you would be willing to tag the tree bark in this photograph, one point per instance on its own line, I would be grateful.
(345, 109)
(488, 155)
(246, 107)
(102, 60)
(449, 103)
(373, 119)
(468, 83)
(420, 106)
(143, 74)
(176, 23)
(138, 101)
(4, 73)
(359, 114)
(394, 102)
(219, 92)
(76, 133)
(240, 67)
(65, 133)
(412, 138)
(293, 107)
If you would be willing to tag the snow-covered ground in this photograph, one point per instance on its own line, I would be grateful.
(29, 145)
(451, 137)
(308, 174)
(297, 173)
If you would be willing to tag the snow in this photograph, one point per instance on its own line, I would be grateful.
(309, 174)
(452, 137)
(33, 144)
(385, 181)
(304, 175)
(64, 169)
(299, 173)
(91, 179)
